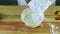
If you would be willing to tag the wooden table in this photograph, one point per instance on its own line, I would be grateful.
(11, 23)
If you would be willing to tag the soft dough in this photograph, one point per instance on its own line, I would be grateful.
(31, 19)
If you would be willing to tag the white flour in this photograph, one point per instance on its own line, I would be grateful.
(53, 28)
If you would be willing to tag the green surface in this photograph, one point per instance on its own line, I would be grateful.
(14, 2)
(8, 2)
(57, 2)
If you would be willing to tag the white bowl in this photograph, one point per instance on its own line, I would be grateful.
(31, 19)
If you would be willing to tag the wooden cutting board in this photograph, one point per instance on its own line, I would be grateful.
(10, 21)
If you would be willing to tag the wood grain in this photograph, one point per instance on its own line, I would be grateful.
(11, 22)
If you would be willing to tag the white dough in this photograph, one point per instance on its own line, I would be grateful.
(31, 19)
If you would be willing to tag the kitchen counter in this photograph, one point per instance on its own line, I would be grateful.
(11, 23)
